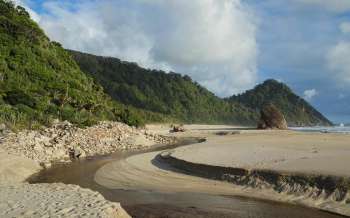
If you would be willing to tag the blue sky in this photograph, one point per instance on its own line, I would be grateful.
(226, 45)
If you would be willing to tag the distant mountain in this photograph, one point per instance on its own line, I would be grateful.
(171, 94)
(296, 110)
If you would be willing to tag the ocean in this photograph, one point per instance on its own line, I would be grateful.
(334, 129)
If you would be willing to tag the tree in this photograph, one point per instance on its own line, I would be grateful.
(22, 11)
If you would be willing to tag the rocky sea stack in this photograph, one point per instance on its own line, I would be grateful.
(271, 118)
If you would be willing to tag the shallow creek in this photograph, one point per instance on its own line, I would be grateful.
(143, 203)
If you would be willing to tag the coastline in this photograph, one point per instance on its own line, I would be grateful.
(319, 190)
(261, 189)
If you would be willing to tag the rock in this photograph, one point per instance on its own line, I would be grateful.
(2, 127)
(38, 148)
(46, 165)
(179, 128)
(51, 144)
(271, 118)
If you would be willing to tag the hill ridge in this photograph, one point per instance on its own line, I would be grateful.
(182, 98)
(298, 112)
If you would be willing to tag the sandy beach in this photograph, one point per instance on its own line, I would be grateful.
(20, 199)
(55, 200)
(283, 152)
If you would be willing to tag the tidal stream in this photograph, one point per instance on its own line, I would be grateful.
(145, 203)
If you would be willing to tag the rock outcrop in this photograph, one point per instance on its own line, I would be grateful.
(271, 118)
(51, 144)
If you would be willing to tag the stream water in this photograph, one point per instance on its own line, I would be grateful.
(142, 203)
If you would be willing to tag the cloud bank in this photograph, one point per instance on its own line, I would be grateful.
(212, 41)
(338, 59)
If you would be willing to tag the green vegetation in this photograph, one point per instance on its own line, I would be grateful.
(295, 109)
(179, 97)
(170, 94)
(39, 81)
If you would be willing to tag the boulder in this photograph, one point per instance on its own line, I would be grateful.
(2, 127)
(271, 118)
(176, 128)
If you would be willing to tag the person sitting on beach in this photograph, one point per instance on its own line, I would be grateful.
(77, 153)
(74, 153)
(71, 153)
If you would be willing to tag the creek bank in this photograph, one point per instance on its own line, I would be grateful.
(51, 144)
(329, 193)
(25, 153)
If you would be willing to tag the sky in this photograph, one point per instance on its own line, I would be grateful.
(228, 46)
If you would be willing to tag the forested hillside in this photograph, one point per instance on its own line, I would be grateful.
(171, 94)
(296, 110)
(180, 97)
(39, 81)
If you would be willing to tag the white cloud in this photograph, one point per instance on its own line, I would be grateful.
(104, 29)
(213, 41)
(338, 62)
(330, 5)
(337, 59)
(310, 94)
(345, 27)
